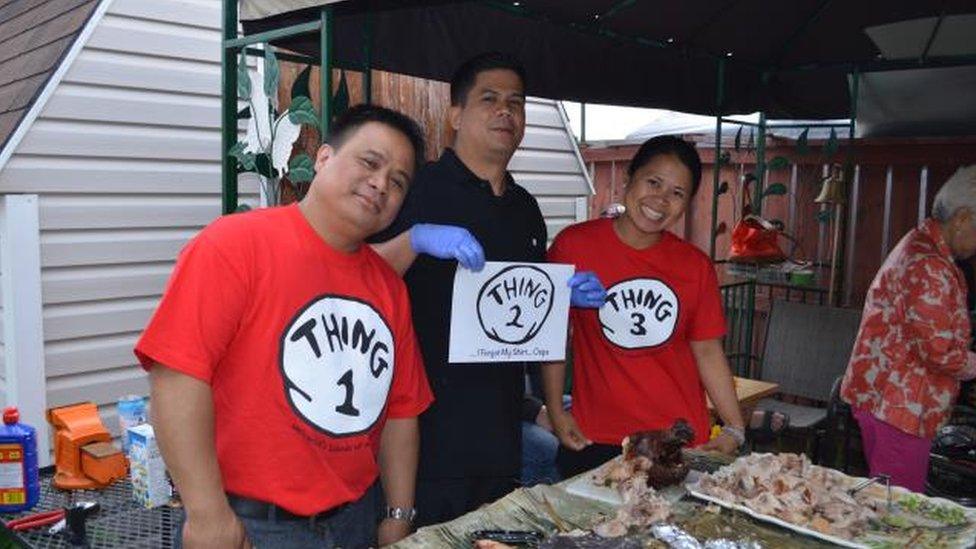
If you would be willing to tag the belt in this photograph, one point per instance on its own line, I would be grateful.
(263, 510)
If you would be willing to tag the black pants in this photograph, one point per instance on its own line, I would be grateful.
(441, 500)
(571, 463)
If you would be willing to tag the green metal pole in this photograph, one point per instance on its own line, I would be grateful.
(837, 281)
(717, 175)
(368, 59)
(750, 315)
(761, 152)
(855, 79)
(228, 110)
(760, 165)
(325, 73)
(271, 35)
(757, 204)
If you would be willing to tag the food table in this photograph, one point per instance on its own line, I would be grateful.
(120, 521)
(561, 508)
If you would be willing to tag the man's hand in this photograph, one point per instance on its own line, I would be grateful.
(448, 242)
(587, 291)
(224, 532)
(723, 443)
(392, 531)
(565, 428)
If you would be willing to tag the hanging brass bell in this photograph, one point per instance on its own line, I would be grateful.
(832, 188)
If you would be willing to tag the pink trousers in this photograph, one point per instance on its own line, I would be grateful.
(890, 451)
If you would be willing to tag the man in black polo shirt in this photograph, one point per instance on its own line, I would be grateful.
(471, 436)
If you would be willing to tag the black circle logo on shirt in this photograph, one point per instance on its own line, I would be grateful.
(515, 303)
(337, 360)
(639, 313)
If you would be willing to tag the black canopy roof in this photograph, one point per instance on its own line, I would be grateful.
(649, 53)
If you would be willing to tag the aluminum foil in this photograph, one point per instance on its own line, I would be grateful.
(676, 538)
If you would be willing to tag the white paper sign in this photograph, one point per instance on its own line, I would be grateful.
(510, 312)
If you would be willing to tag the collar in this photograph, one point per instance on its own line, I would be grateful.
(461, 172)
(931, 228)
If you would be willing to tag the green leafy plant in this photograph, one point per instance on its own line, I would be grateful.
(266, 149)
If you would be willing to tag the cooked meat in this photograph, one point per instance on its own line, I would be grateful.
(789, 487)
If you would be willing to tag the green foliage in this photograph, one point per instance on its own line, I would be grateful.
(301, 169)
(738, 138)
(272, 73)
(340, 103)
(243, 79)
(259, 158)
(300, 87)
(775, 189)
(830, 147)
(802, 146)
(779, 163)
(824, 216)
(301, 111)
(262, 165)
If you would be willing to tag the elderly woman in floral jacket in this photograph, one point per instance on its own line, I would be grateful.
(912, 349)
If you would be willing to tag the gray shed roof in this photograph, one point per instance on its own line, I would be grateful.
(34, 37)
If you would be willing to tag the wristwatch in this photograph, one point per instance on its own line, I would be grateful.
(401, 513)
(737, 434)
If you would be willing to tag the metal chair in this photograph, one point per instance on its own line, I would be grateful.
(807, 348)
(840, 429)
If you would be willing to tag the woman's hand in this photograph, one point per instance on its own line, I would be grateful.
(566, 429)
(724, 443)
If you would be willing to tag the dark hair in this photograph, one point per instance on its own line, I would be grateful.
(684, 151)
(465, 75)
(355, 117)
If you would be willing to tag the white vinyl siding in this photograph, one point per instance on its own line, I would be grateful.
(548, 166)
(125, 158)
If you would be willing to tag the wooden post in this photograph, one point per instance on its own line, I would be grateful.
(23, 328)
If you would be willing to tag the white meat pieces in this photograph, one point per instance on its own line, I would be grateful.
(789, 487)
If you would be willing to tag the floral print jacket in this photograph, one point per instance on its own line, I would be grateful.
(912, 349)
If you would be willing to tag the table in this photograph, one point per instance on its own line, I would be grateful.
(544, 508)
(121, 522)
(750, 391)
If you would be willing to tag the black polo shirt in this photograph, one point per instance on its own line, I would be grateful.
(473, 428)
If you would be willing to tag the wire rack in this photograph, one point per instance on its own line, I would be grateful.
(121, 521)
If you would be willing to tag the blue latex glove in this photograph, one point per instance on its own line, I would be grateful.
(448, 242)
(588, 292)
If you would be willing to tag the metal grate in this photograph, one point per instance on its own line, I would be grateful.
(121, 521)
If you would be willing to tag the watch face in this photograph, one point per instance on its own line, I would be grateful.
(400, 513)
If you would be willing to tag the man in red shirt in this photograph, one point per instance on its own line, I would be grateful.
(284, 367)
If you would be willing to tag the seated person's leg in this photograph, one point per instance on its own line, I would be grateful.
(539, 448)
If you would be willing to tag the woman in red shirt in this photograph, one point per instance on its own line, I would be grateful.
(649, 355)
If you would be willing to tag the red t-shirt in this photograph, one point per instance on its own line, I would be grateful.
(307, 350)
(633, 368)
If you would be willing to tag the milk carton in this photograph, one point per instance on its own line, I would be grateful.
(150, 486)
